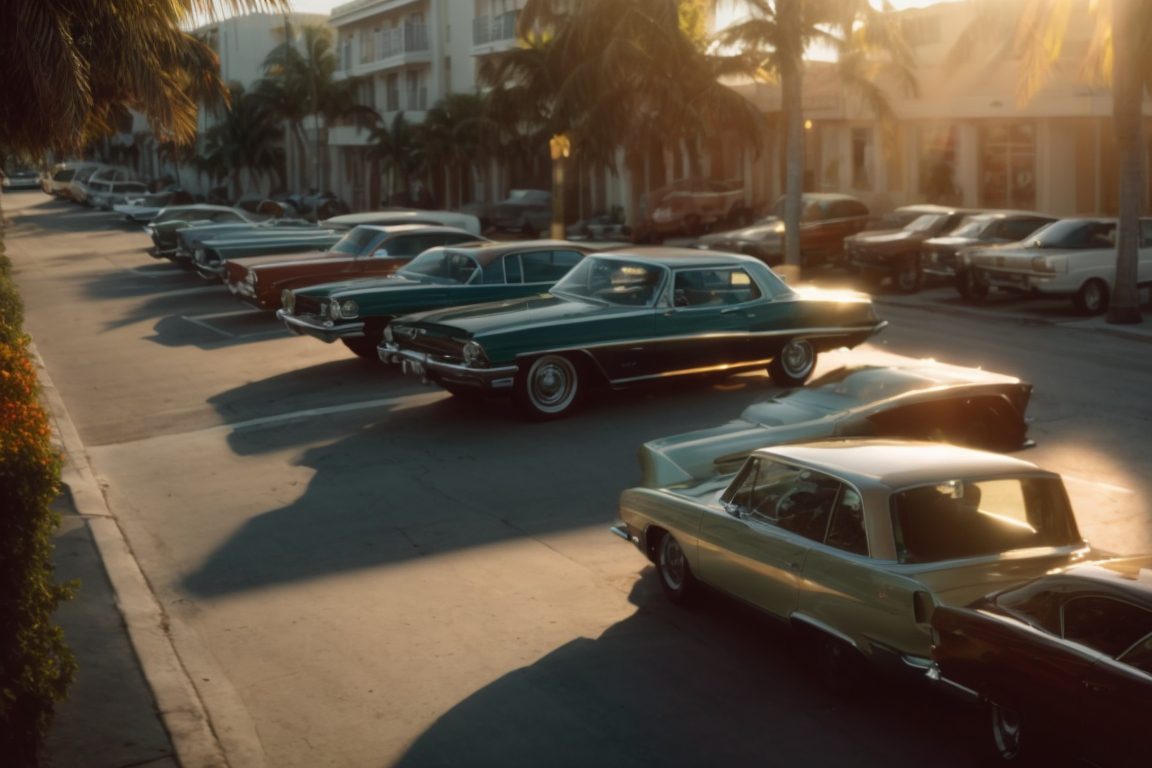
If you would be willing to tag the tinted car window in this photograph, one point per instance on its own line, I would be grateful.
(1105, 624)
(547, 266)
(702, 287)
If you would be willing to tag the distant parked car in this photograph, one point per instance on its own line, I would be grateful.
(1064, 663)
(389, 216)
(140, 210)
(76, 188)
(921, 399)
(948, 256)
(825, 220)
(103, 195)
(895, 253)
(852, 542)
(366, 251)
(22, 179)
(626, 316)
(164, 225)
(1073, 257)
(56, 181)
(691, 207)
(357, 311)
(524, 210)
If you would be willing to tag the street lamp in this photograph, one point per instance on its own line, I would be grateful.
(560, 147)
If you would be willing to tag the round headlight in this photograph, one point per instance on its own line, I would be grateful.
(348, 309)
(288, 300)
(473, 353)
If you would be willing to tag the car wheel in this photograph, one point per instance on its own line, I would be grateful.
(363, 347)
(909, 277)
(793, 364)
(1092, 298)
(1006, 729)
(675, 573)
(549, 388)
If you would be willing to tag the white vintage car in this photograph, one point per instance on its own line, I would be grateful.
(1071, 257)
(855, 542)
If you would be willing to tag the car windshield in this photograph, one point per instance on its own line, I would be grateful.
(973, 226)
(1074, 233)
(924, 223)
(441, 266)
(967, 517)
(612, 281)
(358, 241)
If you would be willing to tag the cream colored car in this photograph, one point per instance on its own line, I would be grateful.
(853, 542)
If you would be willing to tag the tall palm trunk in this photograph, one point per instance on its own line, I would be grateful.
(792, 88)
(1127, 112)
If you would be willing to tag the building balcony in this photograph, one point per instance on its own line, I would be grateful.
(392, 48)
(491, 34)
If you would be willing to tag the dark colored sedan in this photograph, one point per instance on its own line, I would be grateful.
(618, 318)
(948, 256)
(825, 220)
(894, 254)
(1063, 662)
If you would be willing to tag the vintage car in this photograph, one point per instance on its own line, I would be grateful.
(853, 542)
(825, 220)
(642, 313)
(880, 255)
(691, 207)
(24, 178)
(1064, 663)
(524, 210)
(168, 221)
(919, 399)
(365, 251)
(140, 210)
(947, 257)
(357, 311)
(1073, 257)
(208, 257)
(104, 194)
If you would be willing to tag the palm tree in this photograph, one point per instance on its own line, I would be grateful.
(617, 75)
(1119, 52)
(247, 139)
(455, 136)
(300, 83)
(71, 69)
(770, 45)
(398, 149)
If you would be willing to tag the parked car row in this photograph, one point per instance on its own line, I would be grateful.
(976, 250)
(870, 509)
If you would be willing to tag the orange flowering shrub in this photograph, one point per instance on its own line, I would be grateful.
(36, 665)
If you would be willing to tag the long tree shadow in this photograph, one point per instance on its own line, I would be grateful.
(413, 478)
(720, 686)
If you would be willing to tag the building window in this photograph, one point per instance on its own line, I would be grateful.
(938, 165)
(365, 46)
(1008, 165)
(392, 92)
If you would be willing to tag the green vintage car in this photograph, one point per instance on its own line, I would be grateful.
(854, 542)
(628, 316)
(357, 311)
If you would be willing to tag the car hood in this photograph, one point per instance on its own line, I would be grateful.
(352, 289)
(721, 450)
(274, 260)
(502, 316)
(882, 237)
(948, 241)
(765, 230)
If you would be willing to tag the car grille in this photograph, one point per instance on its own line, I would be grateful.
(308, 305)
(440, 347)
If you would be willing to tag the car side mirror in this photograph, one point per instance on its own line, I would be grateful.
(735, 510)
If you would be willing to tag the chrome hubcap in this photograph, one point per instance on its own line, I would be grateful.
(672, 563)
(797, 358)
(553, 384)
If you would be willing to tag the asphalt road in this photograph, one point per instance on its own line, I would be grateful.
(358, 570)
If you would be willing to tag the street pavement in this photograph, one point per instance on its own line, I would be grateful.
(132, 703)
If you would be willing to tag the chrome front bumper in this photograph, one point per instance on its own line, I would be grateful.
(326, 330)
(430, 369)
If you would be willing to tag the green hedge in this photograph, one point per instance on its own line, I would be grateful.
(36, 665)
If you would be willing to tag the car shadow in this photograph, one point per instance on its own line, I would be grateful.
(410, 477)
(719, 685)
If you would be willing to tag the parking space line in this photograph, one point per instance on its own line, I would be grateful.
(212, 328)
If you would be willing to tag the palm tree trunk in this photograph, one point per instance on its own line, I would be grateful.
(1127, 112)
(792, 88)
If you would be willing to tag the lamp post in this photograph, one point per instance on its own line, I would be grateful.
(559, 146)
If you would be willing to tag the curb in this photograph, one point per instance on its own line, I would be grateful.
(178, 703)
